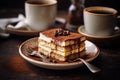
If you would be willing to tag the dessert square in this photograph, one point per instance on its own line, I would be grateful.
(61, 45)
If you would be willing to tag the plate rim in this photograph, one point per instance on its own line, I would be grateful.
(55, 64)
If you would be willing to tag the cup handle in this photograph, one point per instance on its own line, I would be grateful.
(117, 28)
(118, 20)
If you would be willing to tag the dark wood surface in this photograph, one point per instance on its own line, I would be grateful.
(14, 67)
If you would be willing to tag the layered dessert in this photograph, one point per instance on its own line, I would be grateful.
(61, 45)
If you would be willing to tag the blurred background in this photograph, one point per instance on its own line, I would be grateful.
(62, 4)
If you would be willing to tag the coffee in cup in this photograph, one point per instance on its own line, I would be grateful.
(100, 21)
(40, 14)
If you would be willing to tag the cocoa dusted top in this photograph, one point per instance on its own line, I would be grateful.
(51, 33)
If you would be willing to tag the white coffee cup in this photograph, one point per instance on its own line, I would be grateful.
(100, 21)
(40, 14)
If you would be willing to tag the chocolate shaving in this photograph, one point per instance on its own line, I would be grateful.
(61, 32)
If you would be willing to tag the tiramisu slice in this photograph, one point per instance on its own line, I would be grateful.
(61, 45)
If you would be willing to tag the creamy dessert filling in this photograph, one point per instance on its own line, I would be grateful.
(72, 51)
(60, 57)
(60, 48)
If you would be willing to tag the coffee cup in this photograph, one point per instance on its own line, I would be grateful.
(100, 21)
(40, 14)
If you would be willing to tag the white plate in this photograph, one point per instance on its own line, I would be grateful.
(92, 52)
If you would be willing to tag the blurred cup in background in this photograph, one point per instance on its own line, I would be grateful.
(100, 21)
(40, 14)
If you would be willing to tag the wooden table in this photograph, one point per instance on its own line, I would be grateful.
(14, 67)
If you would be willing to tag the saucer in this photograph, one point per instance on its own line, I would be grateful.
(100, 40)
(92, 52)
(82, 30)
(24, 32)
